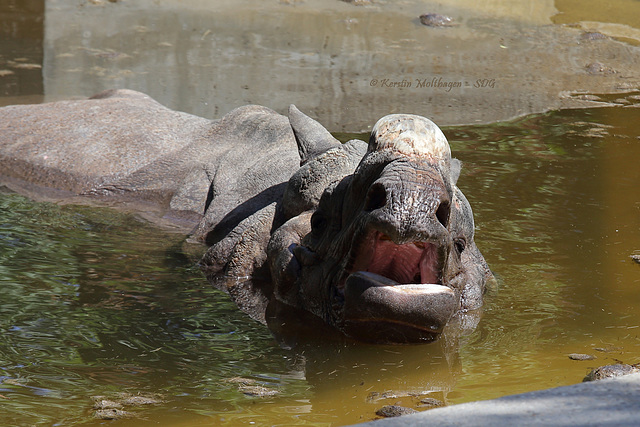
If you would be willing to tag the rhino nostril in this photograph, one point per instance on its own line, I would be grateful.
(443, 213)
(376, 198)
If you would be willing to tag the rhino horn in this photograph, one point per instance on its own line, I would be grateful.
(456, 166)
(312, 138)
(410, 135)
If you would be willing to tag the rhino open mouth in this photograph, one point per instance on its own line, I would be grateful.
(410, 263)
(394, 292)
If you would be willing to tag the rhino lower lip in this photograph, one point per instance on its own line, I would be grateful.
(407, 288)
(374, 302)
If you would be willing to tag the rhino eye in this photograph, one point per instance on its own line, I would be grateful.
(318, 222)
(460, 244)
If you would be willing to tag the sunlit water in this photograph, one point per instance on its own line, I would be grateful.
(97, 303)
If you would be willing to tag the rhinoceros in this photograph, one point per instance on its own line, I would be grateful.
(375, 239)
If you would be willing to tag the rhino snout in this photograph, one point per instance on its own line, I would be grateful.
(418, 210)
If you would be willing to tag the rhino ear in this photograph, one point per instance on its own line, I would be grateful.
(456, 166)
(312, 138)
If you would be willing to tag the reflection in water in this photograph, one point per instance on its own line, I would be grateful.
(619, 19)
(96, 302)
(346, 66)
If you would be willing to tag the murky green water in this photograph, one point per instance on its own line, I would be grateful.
(96, 303)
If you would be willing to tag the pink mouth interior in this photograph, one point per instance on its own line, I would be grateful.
(410, 263)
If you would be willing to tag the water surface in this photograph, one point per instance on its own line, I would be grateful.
(97, 303)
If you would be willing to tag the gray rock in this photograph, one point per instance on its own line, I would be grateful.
(610, 371)
(436, 20)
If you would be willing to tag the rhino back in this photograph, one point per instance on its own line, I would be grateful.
(122, 143)
(84, 145)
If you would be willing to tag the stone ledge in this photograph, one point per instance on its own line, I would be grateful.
(608, 402)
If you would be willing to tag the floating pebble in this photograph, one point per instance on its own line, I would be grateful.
(436, 20)
(579, 356)
(599, 68)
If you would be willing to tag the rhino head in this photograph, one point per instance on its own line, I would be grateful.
(376, 238)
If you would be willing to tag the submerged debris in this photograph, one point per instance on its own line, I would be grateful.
(111, 408)
(589, 130)
(240, 380)
(250, 387)
(375, 396)
(635, 257)
(106, 404)
(112, 414)
(592, 35)
(257, 390)
(394, 411)
(599, 68)
(139, 400)
(607, 349)
(430, 402)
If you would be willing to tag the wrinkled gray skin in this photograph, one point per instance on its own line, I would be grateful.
(375, 239)
(122, 146)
